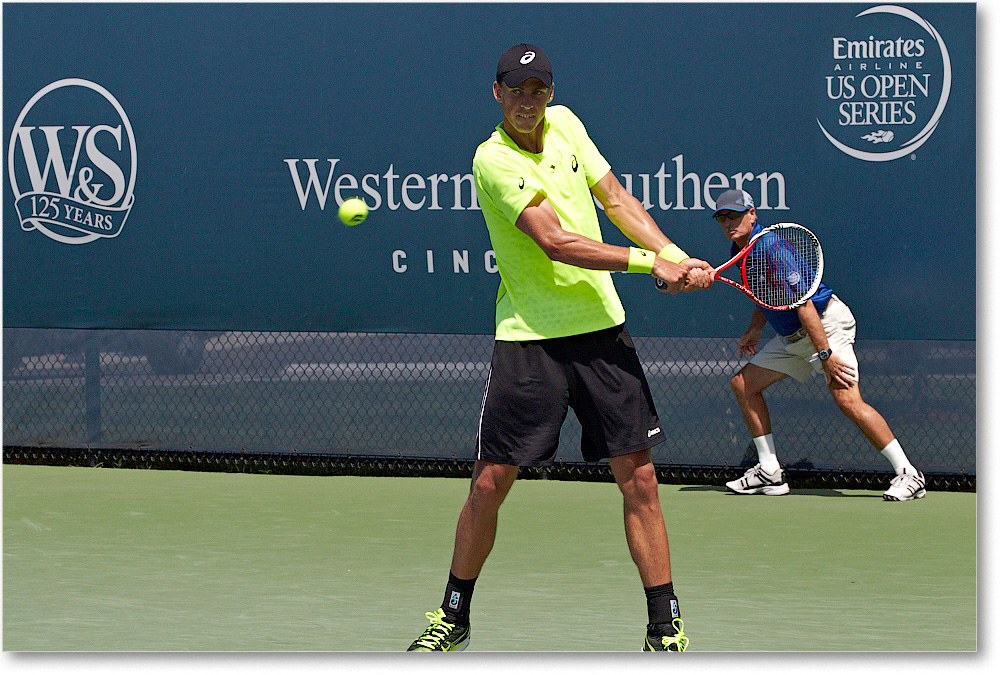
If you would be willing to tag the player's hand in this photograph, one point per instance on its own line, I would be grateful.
(672, 274)
(748, 343)
(700, 276)
(839, 372)
(696, 264)
(698, 279)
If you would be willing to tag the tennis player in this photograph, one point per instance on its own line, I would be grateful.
(561, 339)
(816, 337)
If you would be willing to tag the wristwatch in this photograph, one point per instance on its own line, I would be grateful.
(824, 354)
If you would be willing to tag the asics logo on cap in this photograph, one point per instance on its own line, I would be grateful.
(528, 58)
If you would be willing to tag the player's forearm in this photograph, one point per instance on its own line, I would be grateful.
(628, 214)
(581, 251)
(757, 322)
(813, 325)
(540, 222)
(636, 224)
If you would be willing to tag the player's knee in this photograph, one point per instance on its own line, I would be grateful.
(738, 385)
(490, 488)
(641, 488)
(852, 406)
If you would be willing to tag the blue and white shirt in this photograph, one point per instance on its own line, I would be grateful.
(787, 321)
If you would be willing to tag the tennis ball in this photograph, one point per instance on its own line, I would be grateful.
(353, 211)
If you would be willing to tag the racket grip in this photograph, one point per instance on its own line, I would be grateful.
(660, 283)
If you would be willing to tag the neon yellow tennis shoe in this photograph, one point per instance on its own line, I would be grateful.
(441, 636)
(678, 642)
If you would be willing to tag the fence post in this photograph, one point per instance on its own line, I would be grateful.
(92, 389)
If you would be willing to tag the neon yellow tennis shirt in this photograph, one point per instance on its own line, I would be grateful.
(538, 297)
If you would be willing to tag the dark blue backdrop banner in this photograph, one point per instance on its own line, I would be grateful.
(180, 165)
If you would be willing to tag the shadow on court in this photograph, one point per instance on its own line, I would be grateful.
(813, 492)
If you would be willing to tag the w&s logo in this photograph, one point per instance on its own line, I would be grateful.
(72, 163)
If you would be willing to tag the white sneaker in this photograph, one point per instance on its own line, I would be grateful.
(756, 480)
(905, 486)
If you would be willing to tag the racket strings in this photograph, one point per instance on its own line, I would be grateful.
(782, 266)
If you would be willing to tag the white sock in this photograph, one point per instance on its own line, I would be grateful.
(894, 453)
(765, 453)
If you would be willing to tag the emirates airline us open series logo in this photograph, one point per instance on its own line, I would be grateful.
(72, 163)
(889, 77)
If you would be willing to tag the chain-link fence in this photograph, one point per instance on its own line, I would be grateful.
(287, 401)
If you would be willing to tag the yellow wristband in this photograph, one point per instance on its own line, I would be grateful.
(672, 253)
(640, 260)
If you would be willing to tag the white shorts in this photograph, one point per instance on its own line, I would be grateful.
(795, 355)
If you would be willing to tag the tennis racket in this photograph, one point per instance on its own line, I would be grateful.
(780, 268)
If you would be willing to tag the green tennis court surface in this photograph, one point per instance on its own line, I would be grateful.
(110, 559)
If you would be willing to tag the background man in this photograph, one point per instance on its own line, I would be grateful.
(817, 336)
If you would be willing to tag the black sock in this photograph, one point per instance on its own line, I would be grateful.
(663, 609)
(457, 596)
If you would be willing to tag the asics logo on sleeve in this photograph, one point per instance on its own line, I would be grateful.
(520, 183)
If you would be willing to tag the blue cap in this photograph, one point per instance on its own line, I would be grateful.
(733, 200)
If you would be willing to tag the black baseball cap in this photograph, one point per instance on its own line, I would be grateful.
(522, 62)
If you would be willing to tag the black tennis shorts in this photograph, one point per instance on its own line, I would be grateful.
(532, 385)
